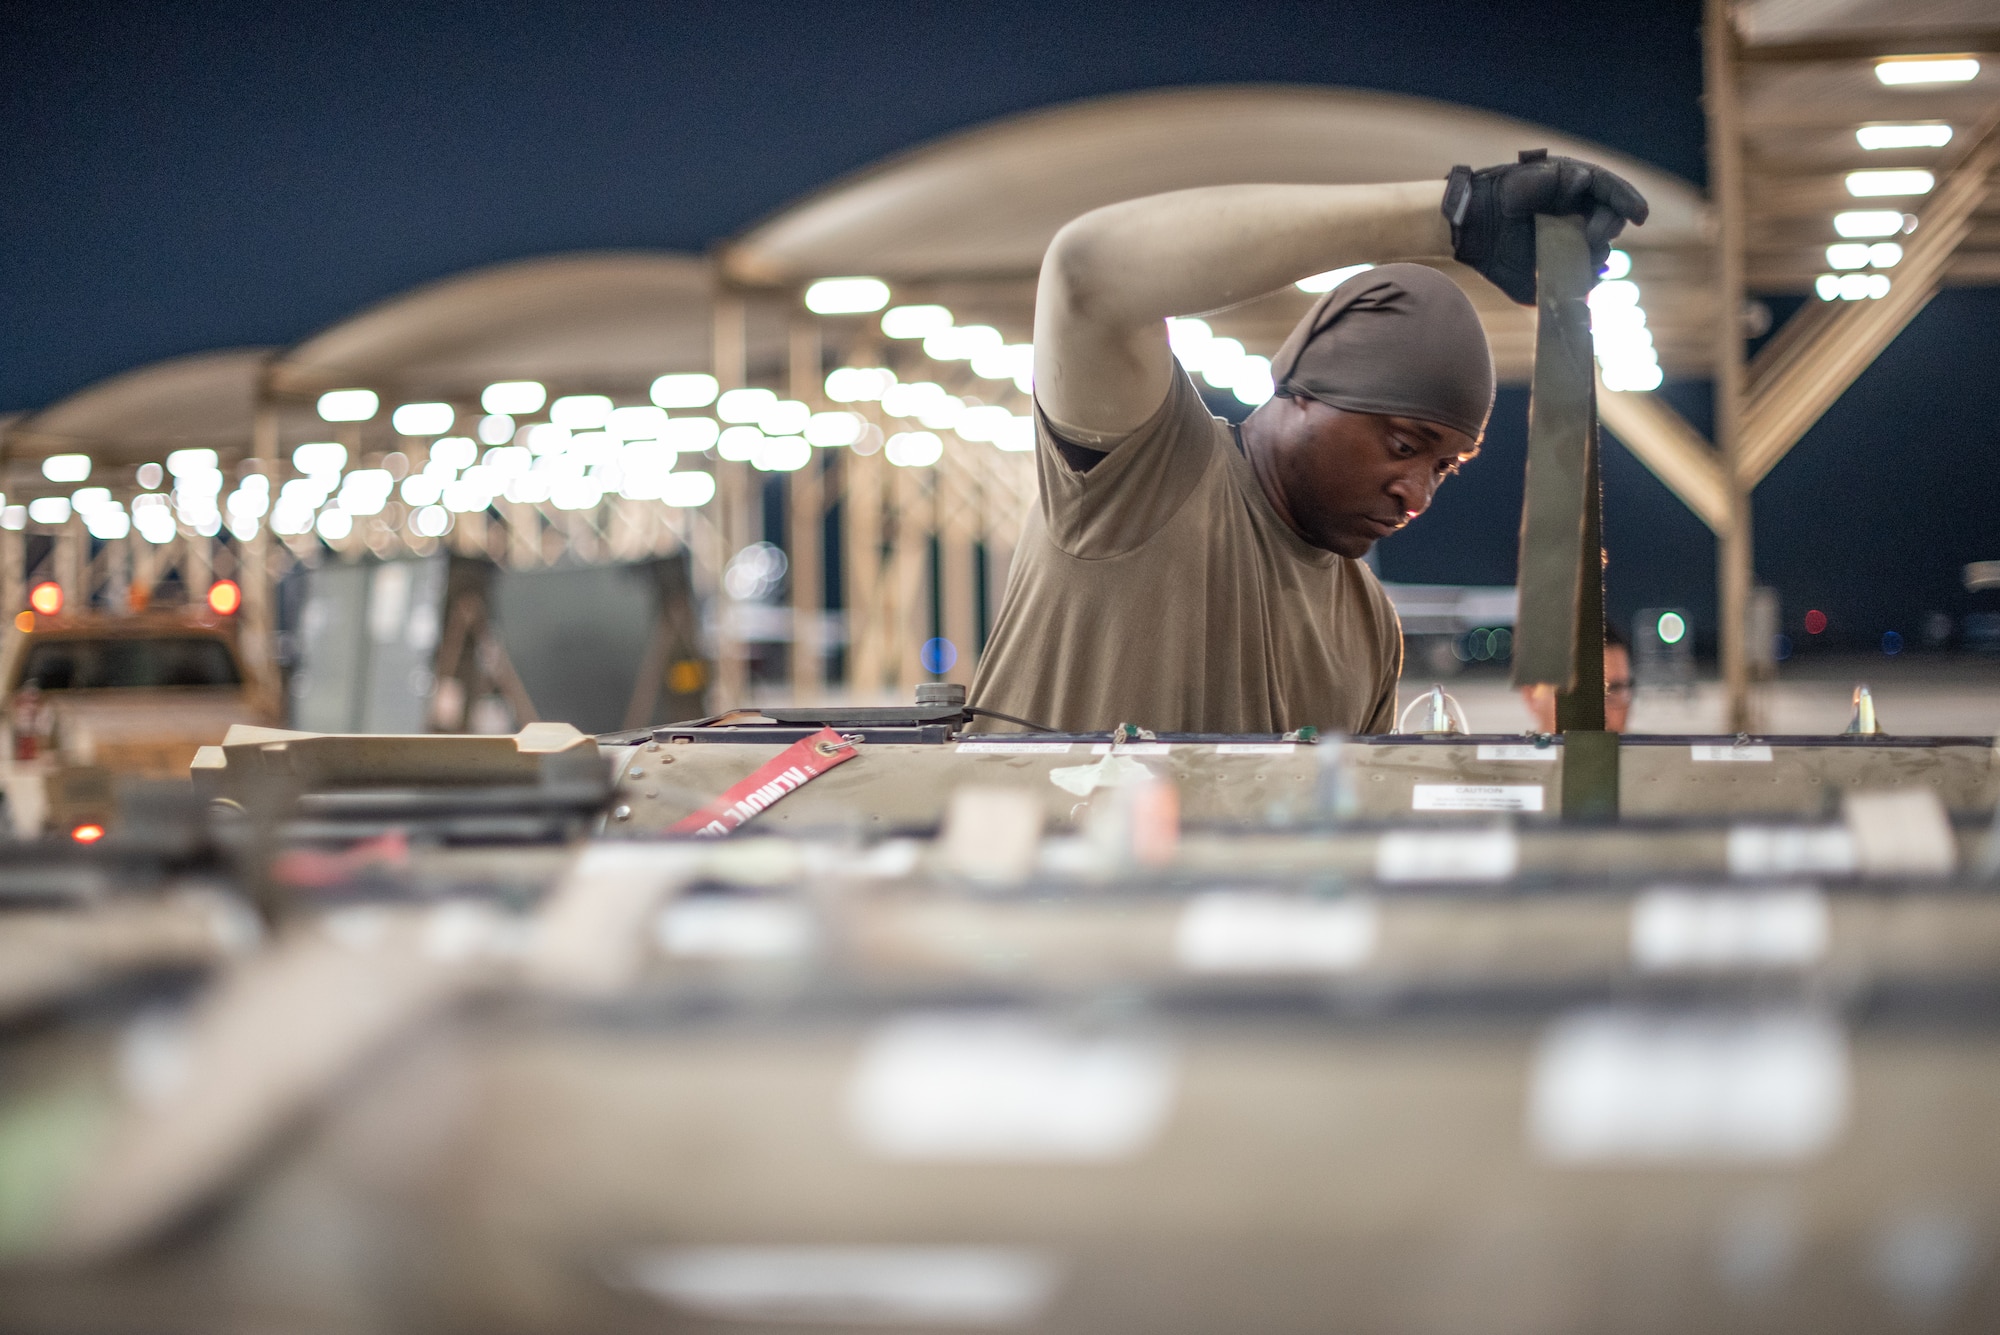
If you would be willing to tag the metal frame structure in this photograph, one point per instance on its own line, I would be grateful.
(1773, 165)
(923, 551)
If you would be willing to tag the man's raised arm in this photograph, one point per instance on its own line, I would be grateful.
(1111, 278)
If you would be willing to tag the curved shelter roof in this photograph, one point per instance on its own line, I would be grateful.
(201, 401)
(982, 205)
(582, 323)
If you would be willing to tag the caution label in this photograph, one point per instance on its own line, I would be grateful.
(1476, 797)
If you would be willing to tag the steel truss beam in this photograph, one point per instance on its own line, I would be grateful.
(1798, 378)
(1676, 453)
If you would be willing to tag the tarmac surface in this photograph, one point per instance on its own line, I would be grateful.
(1916, 695)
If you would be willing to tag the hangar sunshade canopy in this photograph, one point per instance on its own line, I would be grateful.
(963, 222)
(951, 234)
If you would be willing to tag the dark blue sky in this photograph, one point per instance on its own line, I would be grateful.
(187, 176)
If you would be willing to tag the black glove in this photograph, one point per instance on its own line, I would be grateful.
(1492, 213)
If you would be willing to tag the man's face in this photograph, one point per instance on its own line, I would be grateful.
(1541, 700)
(1350, 479)
(1617, 687)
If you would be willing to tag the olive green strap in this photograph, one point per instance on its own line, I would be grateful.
(1559, 635)
(1560, 416)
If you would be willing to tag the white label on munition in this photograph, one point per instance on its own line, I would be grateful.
(1476, 797)
(1739, 753)
(1518, 751)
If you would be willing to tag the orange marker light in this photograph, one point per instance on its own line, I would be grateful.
(87, 833)
(24, 621)
(46, 598)
(224, 596)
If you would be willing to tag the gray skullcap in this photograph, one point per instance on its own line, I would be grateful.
(1399, 340)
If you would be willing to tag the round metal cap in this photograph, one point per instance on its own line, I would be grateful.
(940, 693)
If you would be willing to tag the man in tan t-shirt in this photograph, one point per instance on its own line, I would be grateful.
(1186, 576)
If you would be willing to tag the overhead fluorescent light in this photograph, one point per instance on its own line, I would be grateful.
(1883, 183)
(847, 296)
(1931, 134)
(1900, 71)
(1869, 222)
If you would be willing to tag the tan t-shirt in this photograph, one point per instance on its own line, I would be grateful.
(1160, 588)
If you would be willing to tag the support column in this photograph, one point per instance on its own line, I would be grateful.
(861, 571)
(1734, 564)
(145, 570)
(197, 566)
(260, 604)
(524, 534)
(806, 517)
(71, 563)
(908, 624)
(957, 504)
(734, 499)
(13, 578)
(115, 562)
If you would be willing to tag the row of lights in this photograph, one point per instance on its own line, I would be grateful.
(773, 434)
(1625, 350)
(196, 500)
(928, 404)
(570, 469)
(1861, 228)
(506, 400)
(1222, 362)
(590, 447)
(1864, 231)
(1626, 357)
(983, 347)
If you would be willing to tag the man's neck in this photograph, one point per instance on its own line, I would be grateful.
(1261, 451)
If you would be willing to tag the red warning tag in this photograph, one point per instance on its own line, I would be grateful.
(796, 765)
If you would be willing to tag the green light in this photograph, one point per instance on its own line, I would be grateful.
(1672, 628)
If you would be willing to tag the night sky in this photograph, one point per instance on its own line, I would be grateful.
(182, 177)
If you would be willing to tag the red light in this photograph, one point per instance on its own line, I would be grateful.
(1815, 621)
(224, 596)
(46, 598)
(87, 833)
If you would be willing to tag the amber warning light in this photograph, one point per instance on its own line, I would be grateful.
(46, 598)
(224, 597)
